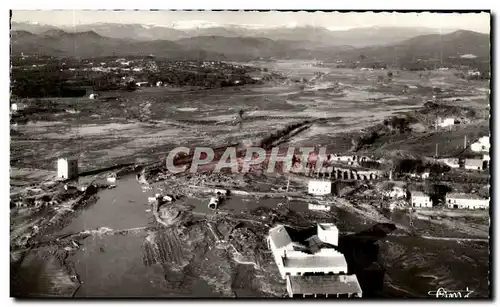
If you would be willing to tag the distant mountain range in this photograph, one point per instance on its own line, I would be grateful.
(434, 46)
(357, 37)
(239, 43)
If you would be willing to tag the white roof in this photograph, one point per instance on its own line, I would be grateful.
(315, 261)
(327, 226)
(417, 194)
(279, 236)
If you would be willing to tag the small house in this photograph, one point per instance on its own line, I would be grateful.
(420, 200)
(320, 187)
(466, 201)
(67, 168)
(473, 164)
(481, 145)
(447, 122)
(319, 207)
(93, 96)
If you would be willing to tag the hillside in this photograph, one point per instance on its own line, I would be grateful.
(432, 46)
(91, 44)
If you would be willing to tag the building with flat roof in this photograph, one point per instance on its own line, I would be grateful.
(466, 201)
(320, 187)
(339, 286)
(473, 164)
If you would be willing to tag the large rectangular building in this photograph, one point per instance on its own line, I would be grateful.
(466, 201)
(320, 187)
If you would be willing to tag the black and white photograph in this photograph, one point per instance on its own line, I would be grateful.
(245, 154)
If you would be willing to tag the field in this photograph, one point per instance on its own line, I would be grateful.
(122, 250)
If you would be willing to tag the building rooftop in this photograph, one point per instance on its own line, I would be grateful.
(463, 196)
(295, 260)
(280, 237)
(324, 284)
(474, 162)
(417, 194)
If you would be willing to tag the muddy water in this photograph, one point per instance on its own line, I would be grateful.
(112, 266)
(120, 208)
(238, 204)
(416, 266)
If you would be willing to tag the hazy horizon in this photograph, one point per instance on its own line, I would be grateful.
(479, 22)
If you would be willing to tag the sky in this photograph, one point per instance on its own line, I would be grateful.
(479, 22)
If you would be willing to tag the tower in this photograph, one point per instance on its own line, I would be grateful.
(67, 168)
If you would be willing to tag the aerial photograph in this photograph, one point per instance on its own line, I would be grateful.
(250, 154)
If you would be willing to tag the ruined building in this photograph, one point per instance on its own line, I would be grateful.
(312, 266)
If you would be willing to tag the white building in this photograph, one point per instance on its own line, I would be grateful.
(13, 107)
(481, 145)
(446, 122)
(159, 83)
(425, 175)
(420, 200)
(93, 96)
(144, 83)
(473, 164)
(67, 168)
(328, 233)
(466, 201)
(319, 207)
(312, 255)
(320, 187)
